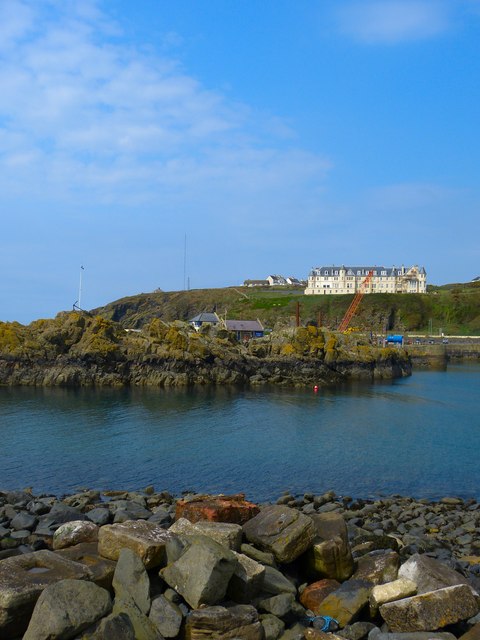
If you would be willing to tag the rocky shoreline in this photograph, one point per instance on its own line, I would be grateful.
(75, 350)
(147, 565)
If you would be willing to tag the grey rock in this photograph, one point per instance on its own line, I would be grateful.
(113, 627)
(60, 513)
(144, 628)
(285, 532)
(275, 582)
(23, 520)
(247, 580)
(201, 575)
(99, 516)
(162, 517)
(166, 616)
(130, 580)
(429, 574)
(279, 606)
(414, 635)
(273, 627)
(66, 608)
(264, 557)
(22, 580)
(356, 631)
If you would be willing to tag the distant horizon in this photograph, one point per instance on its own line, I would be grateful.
(217, 141)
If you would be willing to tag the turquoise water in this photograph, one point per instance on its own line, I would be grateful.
(417, 436)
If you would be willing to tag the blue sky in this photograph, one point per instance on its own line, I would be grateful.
(274, 135)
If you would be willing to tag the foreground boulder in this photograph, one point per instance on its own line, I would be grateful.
(147, 540)
(345, 603)
(225, 533)
(202, 573)
(286, 532)
(222, 623)
(429, 574)
(67, 608)
(233, 509)
(331, 555)
(75, 532)
(22, 580)
(314, 594)
(431, 610)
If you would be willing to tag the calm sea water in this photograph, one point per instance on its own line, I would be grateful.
(417, 436)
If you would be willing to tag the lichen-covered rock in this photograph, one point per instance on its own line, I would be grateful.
(224, 623)
(75, 532)
(286, 532)
(390, 591)
(147, 540)
(225, 533)
(378, 567)
(345, 603)
(430, 611)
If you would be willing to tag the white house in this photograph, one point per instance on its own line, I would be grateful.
(343, 280)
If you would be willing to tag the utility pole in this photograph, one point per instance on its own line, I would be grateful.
(184, 261)
(80, 288)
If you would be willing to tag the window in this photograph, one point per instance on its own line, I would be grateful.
(326, 272)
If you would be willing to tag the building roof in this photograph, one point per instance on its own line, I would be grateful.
(364, 270)
(258, 282)
(243, 325)
(205, 317)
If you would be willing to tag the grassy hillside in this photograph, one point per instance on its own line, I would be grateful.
(454, 308)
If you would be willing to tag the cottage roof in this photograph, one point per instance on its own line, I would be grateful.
(206, 317)
(243, 325)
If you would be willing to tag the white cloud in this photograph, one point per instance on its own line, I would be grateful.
(394, 21)
(83, 115)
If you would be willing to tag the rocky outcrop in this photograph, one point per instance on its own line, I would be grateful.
(80, 350)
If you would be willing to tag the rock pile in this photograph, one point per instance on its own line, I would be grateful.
(143, 565)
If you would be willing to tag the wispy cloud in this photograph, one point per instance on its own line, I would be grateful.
(82, 114)
(394, 21)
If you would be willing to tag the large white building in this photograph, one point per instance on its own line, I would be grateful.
(340, 280)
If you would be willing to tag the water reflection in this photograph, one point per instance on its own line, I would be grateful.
(416, 436)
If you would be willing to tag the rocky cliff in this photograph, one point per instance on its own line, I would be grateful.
(77, 349)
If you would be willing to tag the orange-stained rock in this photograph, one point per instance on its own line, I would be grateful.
(234, 509)
(313, 595)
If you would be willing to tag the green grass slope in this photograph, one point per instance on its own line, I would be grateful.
(453, 309)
